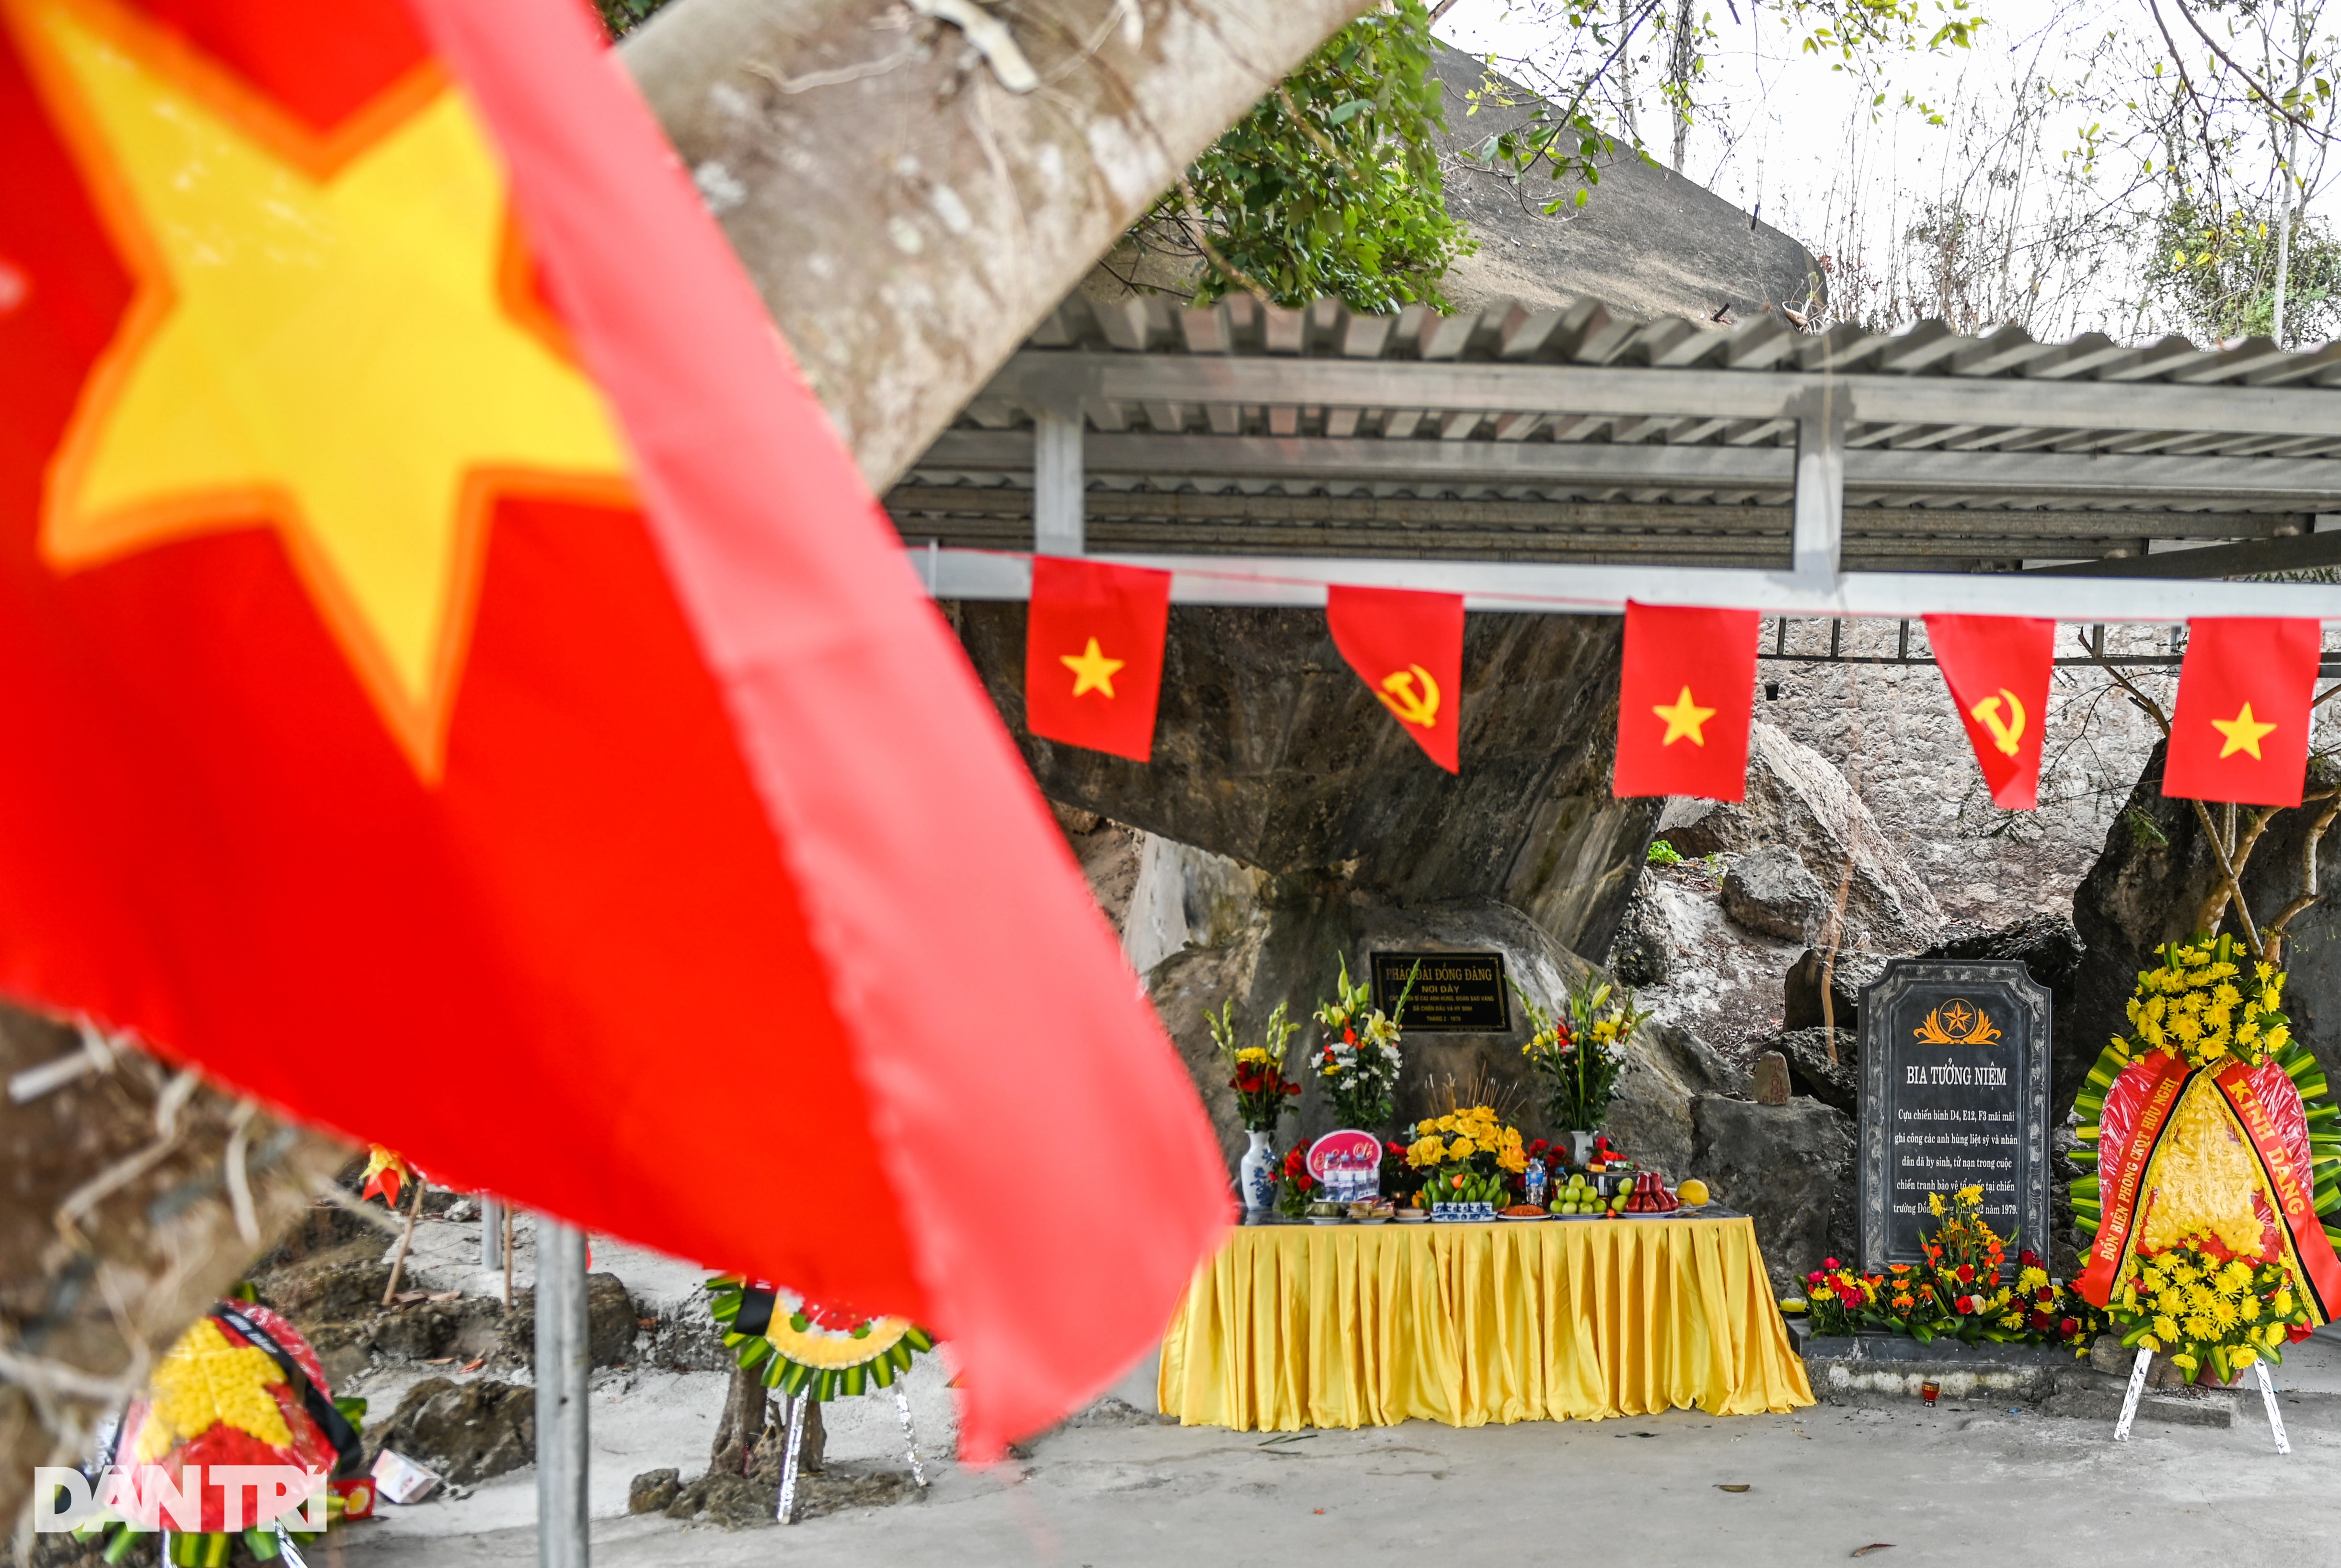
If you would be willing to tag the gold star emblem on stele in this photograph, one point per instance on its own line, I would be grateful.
(1092, 671)
(2243, 733)
(322, 342)
(1683, 719)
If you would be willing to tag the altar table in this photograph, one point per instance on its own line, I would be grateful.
(1294, 1327)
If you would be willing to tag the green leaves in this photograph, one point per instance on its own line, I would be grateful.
(1330, 185)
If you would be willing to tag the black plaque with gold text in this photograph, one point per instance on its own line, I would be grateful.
(1954, 1093)
(1454, 993)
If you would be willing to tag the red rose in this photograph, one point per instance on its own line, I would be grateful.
(1831, 1263)
(2069, 1327)
(1814, 1278)
(2040, 1322)
(1304, 1182)
(1963, 1306)
(2028, 1258)
(1966, 1274)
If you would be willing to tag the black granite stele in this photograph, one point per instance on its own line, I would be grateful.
(1954, 1093)
(1454, 993)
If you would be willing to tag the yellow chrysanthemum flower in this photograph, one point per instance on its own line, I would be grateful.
(2165, 1326)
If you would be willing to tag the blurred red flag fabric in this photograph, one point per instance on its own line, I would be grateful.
(1093, 654)
(461, 692)
(1685, 698)
(1407, 646)
(1997, 667)
(2239, 728)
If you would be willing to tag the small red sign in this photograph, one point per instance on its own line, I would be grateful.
(1348, 1165)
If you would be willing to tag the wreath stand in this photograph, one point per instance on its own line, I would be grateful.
(787, 1512)
(2137, 1387)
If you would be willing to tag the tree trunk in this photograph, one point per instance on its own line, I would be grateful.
(908, 218)
(118, 1225)
(909, 221)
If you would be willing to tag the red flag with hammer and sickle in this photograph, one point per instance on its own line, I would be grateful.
(1407, 648)
(439, 625)
(1998, 668)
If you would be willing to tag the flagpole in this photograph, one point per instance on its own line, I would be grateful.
(561, 1414)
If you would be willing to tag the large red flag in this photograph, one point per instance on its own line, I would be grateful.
(1407, 648)
(2240, 729)
(1093, 654)
(370, 748)
(1998, 668)
(1686, 696)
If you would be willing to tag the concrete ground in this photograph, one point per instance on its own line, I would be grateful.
(1940, 1486)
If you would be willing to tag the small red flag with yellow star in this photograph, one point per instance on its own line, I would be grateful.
(2240, 729)
(1407, 646)
(1093, 654)
(1684, 701)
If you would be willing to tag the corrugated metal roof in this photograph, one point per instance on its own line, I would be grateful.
(1578, 434)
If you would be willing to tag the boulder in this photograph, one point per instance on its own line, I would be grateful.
(1269, 750)
(1832, 1079)
(1790, 1168)
(467, 1431)
(1768, 890)
(1288, 952)
(1798, 800)
(1800, 998)
(610, 1324)
(653, 1491)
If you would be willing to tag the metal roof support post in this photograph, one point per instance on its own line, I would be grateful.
(563, 1359)
(1058, 480)
(1819, 531)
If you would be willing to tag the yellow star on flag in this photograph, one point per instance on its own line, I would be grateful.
(1092, 671)
(2243, 733)
(1683, 719)
(319, 342)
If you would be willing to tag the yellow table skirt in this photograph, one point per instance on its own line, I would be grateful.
(1295, 1327)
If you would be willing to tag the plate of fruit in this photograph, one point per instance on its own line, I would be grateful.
(1578, 1199)
(1522, 1211)
(1648, 1195)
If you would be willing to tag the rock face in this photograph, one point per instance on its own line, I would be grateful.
(1714, 976)
(1797, 798)
(1790, 1169)
(1649, 241)
(1769, 890)
(1800, 998)
(1832, 1077)
(2148, 887)
(1269, 750)
(1288, 950)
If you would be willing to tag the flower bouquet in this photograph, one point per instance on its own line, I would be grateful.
(2215, 1145)
(1469, 1156)
(1580, 1051)
(1357, 1061)
(1294, 1184)
(2208, 1307)
(1955, 1294)
(1257, 1071)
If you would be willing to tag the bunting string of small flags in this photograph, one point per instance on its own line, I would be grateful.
(2239, 732)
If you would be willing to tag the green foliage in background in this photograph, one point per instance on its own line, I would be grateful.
(622, 16)
(2215, 272)
(1330, 185)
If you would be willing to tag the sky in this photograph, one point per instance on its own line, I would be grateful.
(1782, 129)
